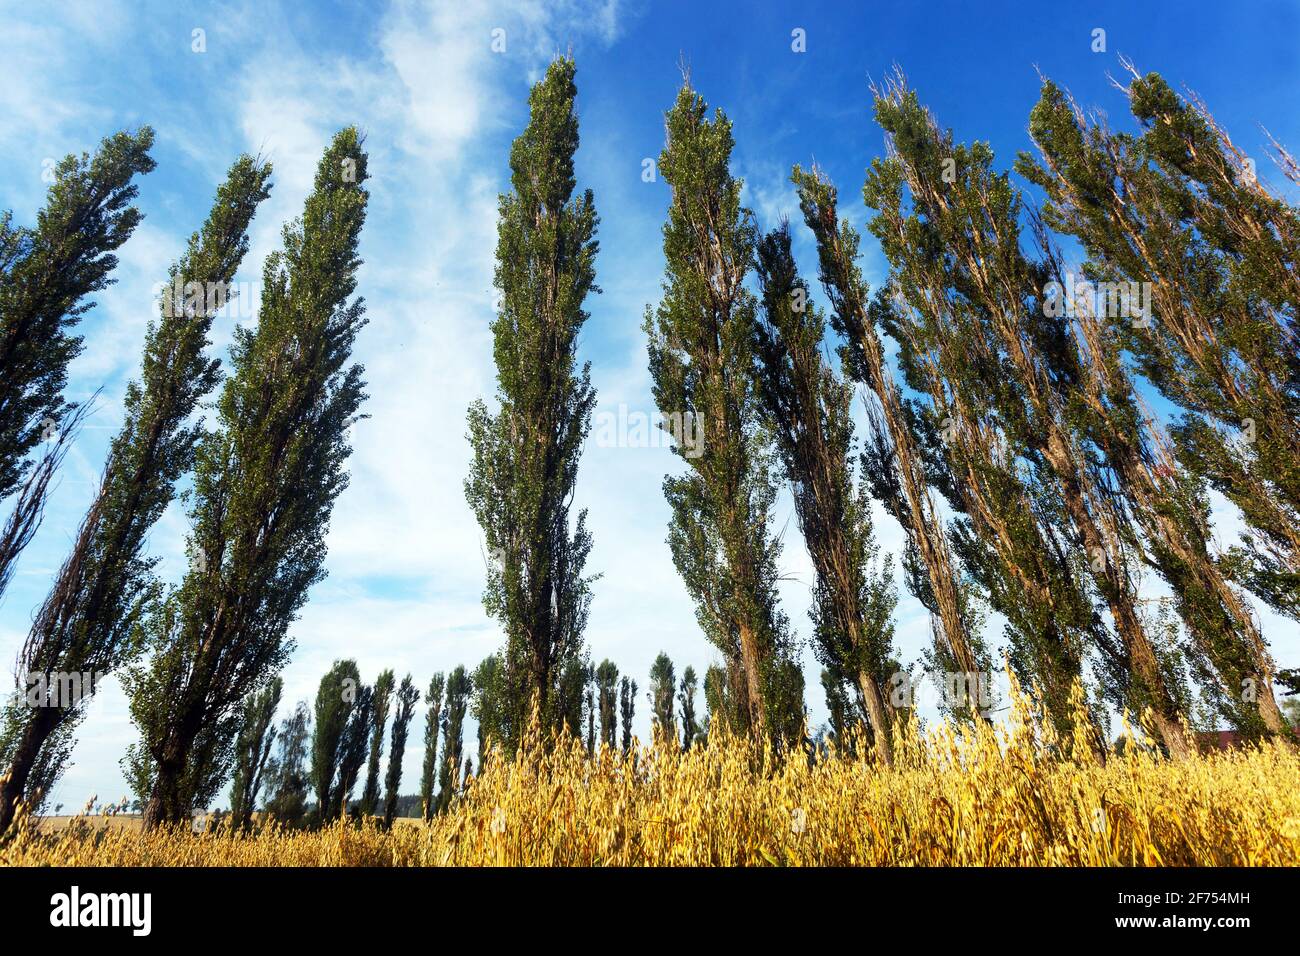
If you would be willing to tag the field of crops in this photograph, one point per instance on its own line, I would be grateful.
(957, 796)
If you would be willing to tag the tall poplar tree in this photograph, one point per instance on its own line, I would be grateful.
(382, 700)
(686, 701)
(87, 622)
(432, 728)
(407, 697)
(459, 688)
(289, 776)
(526, 453)
(808, 411)
(1179, 209)
(589, 700)
(265, 484)
(1012, 360)
(352, 749)
(701, 352)
(627, 709)
(894, 463)
(607, 696)
(46, 272)
(253, 752)
(335, 697)
(491, 705)
(663, 690)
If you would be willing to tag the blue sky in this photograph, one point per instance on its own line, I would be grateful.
(440, 109)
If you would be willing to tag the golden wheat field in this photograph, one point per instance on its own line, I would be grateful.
(957, 796)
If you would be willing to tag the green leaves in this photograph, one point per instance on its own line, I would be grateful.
(266, 479)
(47, 271)
(701, 346)
(526, 453)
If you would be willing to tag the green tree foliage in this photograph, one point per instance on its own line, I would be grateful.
(88, 621)
(607, 698)
(807, 409)
(459, 688)
(686, 701)
(491, 705)
(432, 727)
(264, 486)
(569, 696)
(46, 272)
(383, 698)
(253, 752)
(1180, 209)
(288, 773)
(893, 460)
(407, 697)
(627, 709)
(335, 697)
(663, 689)
(589, 700)
(352, 748)
(526, 454)
(1010, 368)
(701, 353)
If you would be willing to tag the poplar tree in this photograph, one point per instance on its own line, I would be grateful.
(407, 697)
(718, 704)
(607, 692)
(253, 752)
(701, 352)
(526, 454)
(589, 698)
(492, 705)
(1006, 534)
(382, 699)
(627, 708)
(1011, 359)
(46, 272)
(335, 697)
(663, 690)
(893, 459)
(432, 727)
(264, 486)
(288, 772)
(88, 621)
(808, 411)
(1179, 209)
(686, 701)
(569, 695)
(459, 688)
(352, 749)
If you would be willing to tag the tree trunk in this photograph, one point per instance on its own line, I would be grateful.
(874, 699)
(164, 805)
(43, 722)
(756, 706)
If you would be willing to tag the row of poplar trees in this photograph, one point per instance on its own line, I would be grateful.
(264, 475)
(1009, 439)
